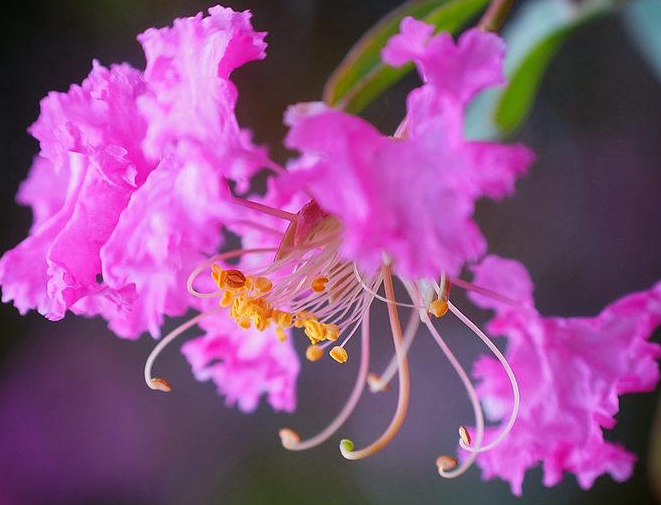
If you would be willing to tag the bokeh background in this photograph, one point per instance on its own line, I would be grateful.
(78, 425)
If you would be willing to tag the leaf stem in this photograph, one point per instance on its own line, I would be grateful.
(494, 17)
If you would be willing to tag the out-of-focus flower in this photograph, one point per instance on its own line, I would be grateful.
(571, 372)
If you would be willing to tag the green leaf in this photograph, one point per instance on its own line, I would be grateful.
(533, 39)
(362, 76)
(643, 21)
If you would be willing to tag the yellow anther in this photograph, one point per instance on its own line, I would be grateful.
(319, 284)
(332, 331)
(438, 307)
(235, 279)
(263, 285)
(464, 435)
(280, 333)
(314, 353)
(281, 318)
(243, 323)
(238, 307)
(314, 330)
(301, 317)
(339, 354)
(446, 463)
(217, 275)
(227, 299)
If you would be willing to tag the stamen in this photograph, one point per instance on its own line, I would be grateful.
(210, 262)
(382, 383)
(446, 463)
(319, 284)
(470, 389)
(339, 354)
(235, 278)
(376, 384)
(464, 435)
(439, 307)
(288, 437)
(346, 446)
(314, 353)
(292, 441)
(157, 383)
(160, 384)
(265, 209)
(510, 375)
(263, 284)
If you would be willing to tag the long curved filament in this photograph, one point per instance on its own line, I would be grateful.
(290, 439)
(510, 375)
(157, 383)
(346, 446)
(380, 382)
(475, 402)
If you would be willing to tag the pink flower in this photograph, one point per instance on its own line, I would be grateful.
(411, 197)
(129, 189)
(571, 372)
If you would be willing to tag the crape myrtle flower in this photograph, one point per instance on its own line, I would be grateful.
(129, 192)
(571, 371)
(370, 207)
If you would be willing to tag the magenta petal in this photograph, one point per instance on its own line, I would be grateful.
(571, 372)
(244, 364)
(459, 70)
(192, 99)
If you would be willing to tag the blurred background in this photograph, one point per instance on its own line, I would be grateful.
(78, 425)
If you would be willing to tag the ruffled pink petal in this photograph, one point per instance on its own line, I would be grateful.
(459, 70)
(411, 199)
(99, 115)
(171, 223)
(244, 364)
(44, 190)
(571, 372)
(192, 99)
(364, 179)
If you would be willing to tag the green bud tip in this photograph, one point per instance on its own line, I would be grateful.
(346, 445)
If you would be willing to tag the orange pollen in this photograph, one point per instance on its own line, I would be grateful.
(439, 307)
(319, 284)
(263, 285)
(314, 353)
(339, 354)
(235, 279)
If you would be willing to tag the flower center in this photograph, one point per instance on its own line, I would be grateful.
(307, 286)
